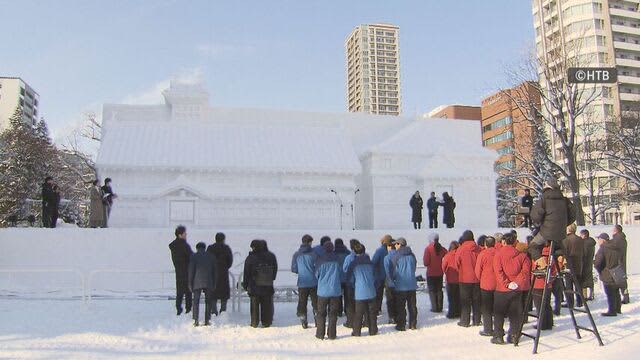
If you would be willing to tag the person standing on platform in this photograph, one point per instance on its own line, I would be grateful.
(449, 205)
(416, 205)
(432, 207)
(527, 203)
(180, 255)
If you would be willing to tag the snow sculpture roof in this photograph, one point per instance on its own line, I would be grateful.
(211, 146)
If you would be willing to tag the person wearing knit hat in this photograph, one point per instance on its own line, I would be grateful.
(607, 260)
(403, 273)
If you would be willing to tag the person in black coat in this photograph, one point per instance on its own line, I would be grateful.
(587, 264)
(107, 200)
(609, 256)
(55, 206)
(48, 201)
(260, 270)
(180, 255)
(202, 278)
(449, 205)
(416, 205)
(432, 207)
(527, 202)
(620, 239)
(224, 261)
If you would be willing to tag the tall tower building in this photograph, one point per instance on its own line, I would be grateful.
(15, 93)
(373, 69)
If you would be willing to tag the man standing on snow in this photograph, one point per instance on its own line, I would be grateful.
(202, 278)
(180, 254)
(260, 270)
(328, 272)
(224, 260)
(403, 273)
(303, 264)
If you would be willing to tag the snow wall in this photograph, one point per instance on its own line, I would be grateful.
(134, 262)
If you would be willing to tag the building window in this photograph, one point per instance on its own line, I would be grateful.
(500, 137)
(505, 165)
(497, 124)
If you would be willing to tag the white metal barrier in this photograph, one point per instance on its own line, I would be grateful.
(77, 273)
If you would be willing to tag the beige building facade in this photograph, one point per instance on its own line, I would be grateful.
(373, 69)
(16, 93)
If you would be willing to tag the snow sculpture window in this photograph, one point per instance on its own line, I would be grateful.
(182, 211)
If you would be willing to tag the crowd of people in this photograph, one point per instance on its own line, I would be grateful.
(486, 279)
(100, 202)
(417, 204)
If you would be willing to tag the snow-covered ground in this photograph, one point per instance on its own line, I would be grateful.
(109, 329)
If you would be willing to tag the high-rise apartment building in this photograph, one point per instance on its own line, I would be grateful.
(598, 33)
(373, 69)
(14, 94)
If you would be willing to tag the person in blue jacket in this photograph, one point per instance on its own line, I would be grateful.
(318, 249)
(328, 273)
(362, 272)
(378, 270)
(390, 287)
(403, 274)
(342, 252)
(303, 264)
(349, 301)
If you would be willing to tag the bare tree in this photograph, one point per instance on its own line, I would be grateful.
(621, 150)
(561, 108)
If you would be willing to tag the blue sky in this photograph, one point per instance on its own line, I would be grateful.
(267, 54)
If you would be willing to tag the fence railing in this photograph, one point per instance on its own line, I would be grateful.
(76, 273)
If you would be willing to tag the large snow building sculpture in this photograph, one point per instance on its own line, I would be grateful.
(186, 162)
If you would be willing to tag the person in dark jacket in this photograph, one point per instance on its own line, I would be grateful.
(527, 202)
(432, 260)
(303, 264)
(378, 266)
(620, 238)
(361, 271)
(432, 208)
(587, 264)
(573, 255)
(328, 272)
(403, 274)
(551, 214)
(342, 252)
(449, 205)
(224, 260)
(452, 280)
(513, 273)
(390, 287)
(107, 200)
(180, 255)
(48, 201)
(416, 205)
(202, 278)
(260, 270)
(55, 206)
(609, 256)
(465, 260)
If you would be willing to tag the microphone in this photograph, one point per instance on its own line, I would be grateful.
(333, 191)
(357, 190)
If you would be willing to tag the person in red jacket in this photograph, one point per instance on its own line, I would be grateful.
(451, 275)
(484, 272)
(513, 273)
(466, 258)
(538, 288)
(432, 259)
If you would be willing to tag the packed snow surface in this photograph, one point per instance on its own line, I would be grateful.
(149, 329)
